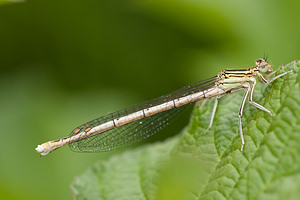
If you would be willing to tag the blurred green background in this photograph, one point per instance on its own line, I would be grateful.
(67, 62)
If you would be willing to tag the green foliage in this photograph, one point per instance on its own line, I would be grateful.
(9, 1)
(199, 165)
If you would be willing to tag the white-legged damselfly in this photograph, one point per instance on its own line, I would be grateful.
(133, 124)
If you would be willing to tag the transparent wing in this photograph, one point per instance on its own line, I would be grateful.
(128, 134)
(136, 131)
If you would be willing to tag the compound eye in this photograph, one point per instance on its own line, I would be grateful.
(263, 66)
(259, 62)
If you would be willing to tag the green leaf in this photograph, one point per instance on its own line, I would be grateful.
(2, 2)
(209, 165)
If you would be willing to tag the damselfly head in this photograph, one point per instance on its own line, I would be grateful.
(263, 66)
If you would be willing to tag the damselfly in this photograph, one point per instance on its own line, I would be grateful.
(131, 125)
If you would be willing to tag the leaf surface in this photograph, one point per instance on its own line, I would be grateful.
(209, 165)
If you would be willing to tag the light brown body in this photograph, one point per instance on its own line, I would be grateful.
(227, 81)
